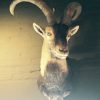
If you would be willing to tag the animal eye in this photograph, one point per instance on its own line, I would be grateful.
(68, 36)
(49, 34)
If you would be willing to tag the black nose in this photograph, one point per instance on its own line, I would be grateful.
(63, 50)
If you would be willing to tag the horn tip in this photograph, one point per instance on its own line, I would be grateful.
(11, 11)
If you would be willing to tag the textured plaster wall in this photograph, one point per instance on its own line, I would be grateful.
(20, 51)
(20, 48)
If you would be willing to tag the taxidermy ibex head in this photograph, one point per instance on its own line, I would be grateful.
(55, 47)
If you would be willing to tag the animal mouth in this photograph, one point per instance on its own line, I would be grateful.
(59, 55)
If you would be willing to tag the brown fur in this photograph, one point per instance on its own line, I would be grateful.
(55, 82)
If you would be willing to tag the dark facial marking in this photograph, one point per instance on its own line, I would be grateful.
(60, 34)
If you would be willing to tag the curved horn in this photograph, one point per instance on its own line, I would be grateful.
(71, 12)
(39, 3)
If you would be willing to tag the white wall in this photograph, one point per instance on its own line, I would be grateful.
(20, 48)
(20, 51)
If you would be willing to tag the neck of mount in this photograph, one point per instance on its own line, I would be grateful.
(47, 56)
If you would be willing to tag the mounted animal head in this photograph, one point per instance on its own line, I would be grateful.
(55, 34)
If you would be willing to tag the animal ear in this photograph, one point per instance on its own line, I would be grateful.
(38, 29)
(72, 31)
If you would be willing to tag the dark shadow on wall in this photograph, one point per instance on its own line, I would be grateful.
(85, 79)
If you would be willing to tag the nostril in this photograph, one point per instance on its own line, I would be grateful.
(62, 49)
(65, 50)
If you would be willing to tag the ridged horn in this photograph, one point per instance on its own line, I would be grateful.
(71, 12)
(40, 4)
